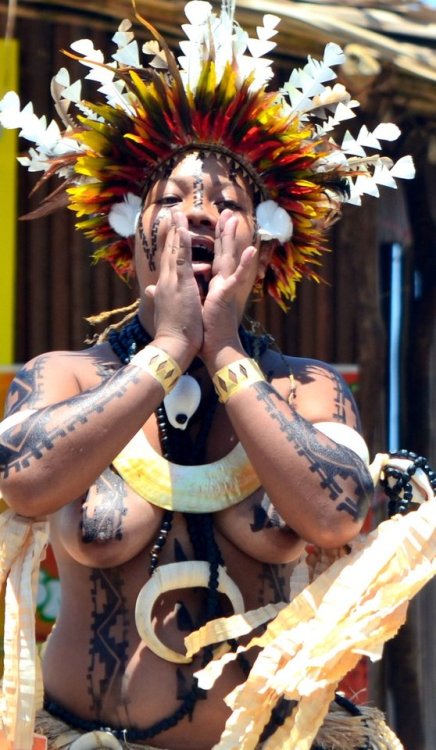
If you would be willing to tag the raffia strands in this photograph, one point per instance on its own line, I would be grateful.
(353, 608)
(23, 542)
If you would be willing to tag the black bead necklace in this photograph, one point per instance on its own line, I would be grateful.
(125, 343)
(397, 482)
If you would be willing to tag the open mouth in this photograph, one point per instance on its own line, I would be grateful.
(202, 253)
(202, 248)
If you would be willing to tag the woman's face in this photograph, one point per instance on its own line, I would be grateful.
(202, 187)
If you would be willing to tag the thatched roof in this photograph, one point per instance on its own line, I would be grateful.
(391, 46)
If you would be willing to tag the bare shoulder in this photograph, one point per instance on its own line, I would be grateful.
(53, 376)
(315, 388)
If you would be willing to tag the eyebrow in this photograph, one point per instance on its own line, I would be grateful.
(181, 181)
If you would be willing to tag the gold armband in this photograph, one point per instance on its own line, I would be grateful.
(157, 363)
(235, 376)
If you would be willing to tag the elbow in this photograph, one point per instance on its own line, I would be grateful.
(336, 535)
(24, 504)
(27, 498)
(342, 521)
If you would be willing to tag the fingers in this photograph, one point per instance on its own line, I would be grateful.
(177, 251)
(225, 256)
(244, 268)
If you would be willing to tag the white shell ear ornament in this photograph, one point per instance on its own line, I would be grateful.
(182, 402)
(273, 222)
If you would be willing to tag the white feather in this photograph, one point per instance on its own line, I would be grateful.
(365, 138)
(270, 22)
(197, 11)
(387, 131)
(259, 47)
(123, 36)
(123, 217)
(366, 185)
(344, 111)
(10, 114)
(128, 55)
(383, 176)
(349, 145)
(306, 83)
(86, 48)
(333, 54)
(404, 168)
(159, 60)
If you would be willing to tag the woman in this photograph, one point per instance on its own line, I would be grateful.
(182, 439)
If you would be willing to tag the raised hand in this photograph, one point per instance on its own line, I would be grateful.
(233, 273)
(178, 320)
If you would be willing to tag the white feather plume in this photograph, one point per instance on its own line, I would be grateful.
(123, 217)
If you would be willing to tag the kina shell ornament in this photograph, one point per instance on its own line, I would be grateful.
(186, 489)
(213, 97)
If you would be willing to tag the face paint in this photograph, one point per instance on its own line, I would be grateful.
(146, 246)
(154, 232)
(197, 174)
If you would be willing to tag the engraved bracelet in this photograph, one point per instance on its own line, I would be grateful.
(157, 363)
(237, 375)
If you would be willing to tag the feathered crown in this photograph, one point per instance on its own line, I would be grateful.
(214, 96)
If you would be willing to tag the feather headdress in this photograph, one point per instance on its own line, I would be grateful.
(213, 97)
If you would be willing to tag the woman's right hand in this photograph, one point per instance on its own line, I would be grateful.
(178, 320)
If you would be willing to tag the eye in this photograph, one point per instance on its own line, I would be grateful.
(228, 203)
(168, 200)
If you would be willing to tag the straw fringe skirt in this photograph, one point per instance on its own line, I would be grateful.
(340, 731)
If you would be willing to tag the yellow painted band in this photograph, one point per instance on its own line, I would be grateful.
(8, 189)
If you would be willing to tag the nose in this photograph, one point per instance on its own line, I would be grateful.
(201, 213)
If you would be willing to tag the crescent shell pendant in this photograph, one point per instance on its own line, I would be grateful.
(180, 575)
(186, 489)
(95, 740)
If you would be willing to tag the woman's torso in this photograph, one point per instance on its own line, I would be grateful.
(95, 663)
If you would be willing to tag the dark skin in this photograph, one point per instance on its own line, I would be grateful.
(196, 265)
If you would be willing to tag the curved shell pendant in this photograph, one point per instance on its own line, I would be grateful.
(187, 489)
(174, 576)
(95, 740)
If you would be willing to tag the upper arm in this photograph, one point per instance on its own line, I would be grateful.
(322, 395)
(45, 380)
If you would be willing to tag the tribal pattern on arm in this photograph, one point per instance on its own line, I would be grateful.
(31, 440)
(343, 401)
(26, 390)
(332, 463)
